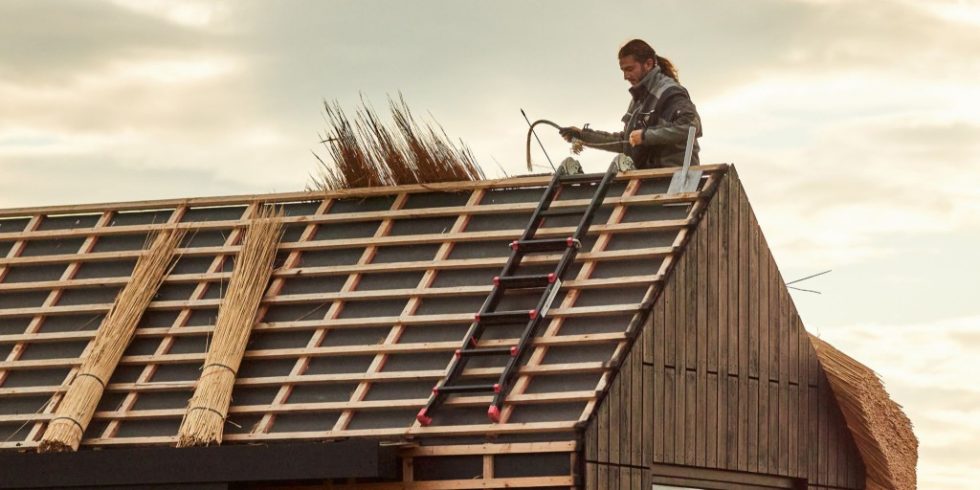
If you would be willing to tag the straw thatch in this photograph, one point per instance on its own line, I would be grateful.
(366, 153)
(74, 413)
(204, 420)
(881, 431)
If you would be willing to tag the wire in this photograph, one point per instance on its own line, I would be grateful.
(804, 290)
(530, 131)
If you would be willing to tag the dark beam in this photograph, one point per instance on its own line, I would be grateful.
(215, 464)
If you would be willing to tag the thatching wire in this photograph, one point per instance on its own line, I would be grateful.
(881, 431)
(204, 421)
(74, 413)
(366, 153)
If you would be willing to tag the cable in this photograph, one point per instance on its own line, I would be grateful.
(530, 131)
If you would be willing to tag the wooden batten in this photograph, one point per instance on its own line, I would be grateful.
(204, 421)
(75, 411)
(882, 432)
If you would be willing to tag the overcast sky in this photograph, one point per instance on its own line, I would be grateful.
(855, 126)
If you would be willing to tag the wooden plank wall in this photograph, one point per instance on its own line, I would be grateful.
(724, 376)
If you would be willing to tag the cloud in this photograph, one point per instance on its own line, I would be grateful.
(957, 11)
(187, 13)
(47, 43)
(850, 162)
(83, 178)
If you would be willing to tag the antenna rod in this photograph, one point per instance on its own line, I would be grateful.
(811, 276)
(539, 141)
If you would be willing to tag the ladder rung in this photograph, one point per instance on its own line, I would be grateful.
(530, 281)
(544, 245)
(445, 390)
(503, 317)
(488, 351)
(575, 178)
(564, 211)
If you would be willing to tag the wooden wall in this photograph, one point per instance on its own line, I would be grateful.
(723, 375)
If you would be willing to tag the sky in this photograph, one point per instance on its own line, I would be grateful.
(854, 125)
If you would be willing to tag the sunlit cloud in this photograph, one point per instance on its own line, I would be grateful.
(168, 71)
(963, 11)
(885, 159)
(191, 13)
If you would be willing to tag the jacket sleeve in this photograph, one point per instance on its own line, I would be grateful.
(680, 116)
(602, 140)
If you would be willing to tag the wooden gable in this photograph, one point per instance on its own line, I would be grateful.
(724, 377)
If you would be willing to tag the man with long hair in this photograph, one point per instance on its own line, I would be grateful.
(656, 123)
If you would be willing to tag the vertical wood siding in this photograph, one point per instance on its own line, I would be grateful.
(723, 376)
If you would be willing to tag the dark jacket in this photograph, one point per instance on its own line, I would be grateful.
(664, 111)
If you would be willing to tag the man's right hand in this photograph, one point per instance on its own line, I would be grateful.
(570, 133)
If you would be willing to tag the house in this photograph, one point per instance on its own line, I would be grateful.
(672, 356)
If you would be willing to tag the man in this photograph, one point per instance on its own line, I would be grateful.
(660, 112)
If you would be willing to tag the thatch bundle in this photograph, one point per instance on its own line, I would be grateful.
(204, 420)
(366, 153)
(74, 413)
(882, 432)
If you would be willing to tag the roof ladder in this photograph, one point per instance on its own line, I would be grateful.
(548, 284)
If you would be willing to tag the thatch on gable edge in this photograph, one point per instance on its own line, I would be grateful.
(882, 432)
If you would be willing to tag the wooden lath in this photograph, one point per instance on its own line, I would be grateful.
(378, 375)
(286, 271)
(321, 245)
(355, 350)
(286, 197)
(309, 379)
(340, 218)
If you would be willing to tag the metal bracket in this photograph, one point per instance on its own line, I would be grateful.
(551, 298)
(569, 166)
(685, 179)
(623, 162)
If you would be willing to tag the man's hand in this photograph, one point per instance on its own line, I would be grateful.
(636, 137)
(570, 133)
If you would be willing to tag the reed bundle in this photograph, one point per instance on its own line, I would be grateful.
(881, 431)
(366, 153)
(74, 413)
(204, 421)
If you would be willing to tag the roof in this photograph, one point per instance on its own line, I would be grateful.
(373, 291)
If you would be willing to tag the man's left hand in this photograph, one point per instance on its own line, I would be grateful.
(636, 137)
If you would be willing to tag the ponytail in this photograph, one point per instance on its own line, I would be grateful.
(667, 68)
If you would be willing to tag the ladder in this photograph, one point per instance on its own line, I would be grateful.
(548, 284)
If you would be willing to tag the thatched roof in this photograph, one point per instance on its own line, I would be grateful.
(882, 432)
